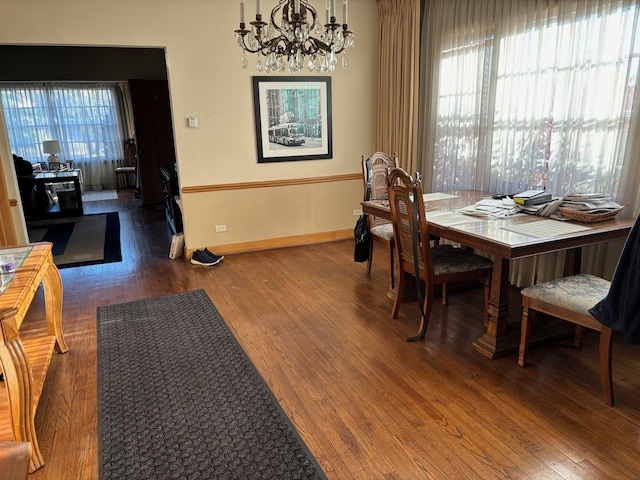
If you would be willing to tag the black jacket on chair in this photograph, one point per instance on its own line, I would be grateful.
(620, 309)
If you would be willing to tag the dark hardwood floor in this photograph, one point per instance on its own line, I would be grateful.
(368, 404)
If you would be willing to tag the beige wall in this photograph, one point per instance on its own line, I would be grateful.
(207, 80)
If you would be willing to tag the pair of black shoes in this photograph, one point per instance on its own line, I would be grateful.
(205, 257)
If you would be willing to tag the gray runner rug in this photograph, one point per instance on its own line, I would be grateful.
(179, 398)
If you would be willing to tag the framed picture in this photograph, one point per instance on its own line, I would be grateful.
(293, 118)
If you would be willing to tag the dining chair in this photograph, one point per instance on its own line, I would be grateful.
(374, 171)
(128, 167)
(433, 265)
(592, 302)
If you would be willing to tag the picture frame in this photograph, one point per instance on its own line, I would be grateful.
(293, 118)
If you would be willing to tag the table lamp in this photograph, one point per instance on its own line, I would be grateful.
(51, 147)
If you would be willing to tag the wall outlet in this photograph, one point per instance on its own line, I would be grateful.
(357, 212)
(221, 228)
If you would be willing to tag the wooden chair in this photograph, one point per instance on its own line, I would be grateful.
(570, 298)
(435, 265)
(128, 168)
(592, 302)
(374, 171)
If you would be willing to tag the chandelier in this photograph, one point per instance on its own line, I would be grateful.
(293, 34)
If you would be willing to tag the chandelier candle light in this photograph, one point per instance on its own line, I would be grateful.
(293, 33)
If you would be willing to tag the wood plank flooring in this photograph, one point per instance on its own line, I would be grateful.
(368, 404)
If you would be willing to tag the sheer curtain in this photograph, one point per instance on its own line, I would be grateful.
(521, 94)
(85, 118)
(399, 44)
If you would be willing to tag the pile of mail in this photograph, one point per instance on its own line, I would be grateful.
(590, 202)
(492, 207)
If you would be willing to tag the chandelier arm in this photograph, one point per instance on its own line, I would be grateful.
(277, 45)
(244, 46)
(281, 5)
(320, 46)
(312, 11)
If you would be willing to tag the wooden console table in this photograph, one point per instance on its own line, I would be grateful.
(24, 360)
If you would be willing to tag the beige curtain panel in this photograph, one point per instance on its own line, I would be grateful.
(399, 45)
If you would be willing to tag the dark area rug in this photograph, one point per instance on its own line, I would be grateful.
(179, 398)
(78, 241)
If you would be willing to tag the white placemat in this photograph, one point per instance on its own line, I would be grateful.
(437, 196)
(445, 218)
(546, 228)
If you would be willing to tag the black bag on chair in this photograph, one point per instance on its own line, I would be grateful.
(361, 235)
(361, 232)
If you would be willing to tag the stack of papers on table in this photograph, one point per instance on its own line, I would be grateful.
(590, 202)
(493, 208)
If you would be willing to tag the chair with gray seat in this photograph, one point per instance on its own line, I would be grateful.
(435, 265)
(592, 302)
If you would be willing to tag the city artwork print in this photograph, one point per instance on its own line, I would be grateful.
(293, 118)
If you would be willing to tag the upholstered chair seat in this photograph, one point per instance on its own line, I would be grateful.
(450, 260)
(384, 231)
(577, 293)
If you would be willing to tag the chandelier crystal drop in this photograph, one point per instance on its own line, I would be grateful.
(294, 37)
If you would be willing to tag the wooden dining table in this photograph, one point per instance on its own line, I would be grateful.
(506, 239)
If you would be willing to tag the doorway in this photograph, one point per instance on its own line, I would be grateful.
(28, 63)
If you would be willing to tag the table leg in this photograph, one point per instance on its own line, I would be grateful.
(18, 379)
(497, 339)
(76, 184)
(500, 336)
(52, 285)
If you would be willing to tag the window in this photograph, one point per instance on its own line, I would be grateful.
(537, 99)
(85, 119)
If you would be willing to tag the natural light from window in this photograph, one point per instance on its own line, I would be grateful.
(547, 106)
